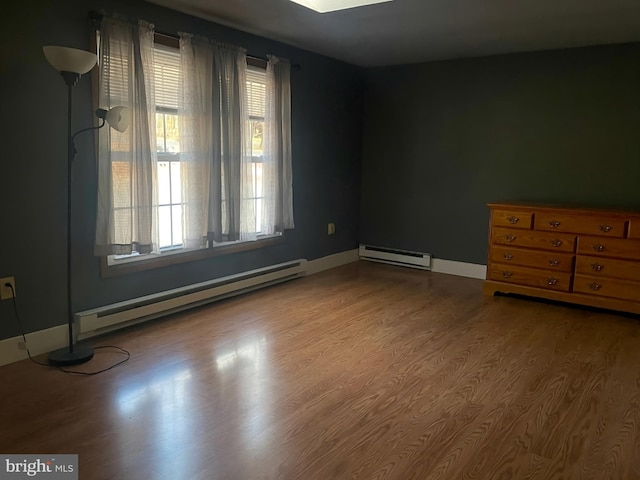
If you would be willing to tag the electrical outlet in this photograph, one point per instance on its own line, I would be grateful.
(5, 292)
(331, 228)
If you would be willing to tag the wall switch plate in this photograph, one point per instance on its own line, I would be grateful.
(5, 292)
(331, 228)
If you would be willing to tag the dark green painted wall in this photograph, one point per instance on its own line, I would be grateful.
(414, 170)
(327, 122)
(442, 139)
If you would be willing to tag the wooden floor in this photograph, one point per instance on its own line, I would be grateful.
(367, 371)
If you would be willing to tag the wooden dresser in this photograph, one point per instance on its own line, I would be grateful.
(582, 256)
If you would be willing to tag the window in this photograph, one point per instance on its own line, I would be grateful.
(256, 94)
(170, 206)
(206, 162)
(170, 203)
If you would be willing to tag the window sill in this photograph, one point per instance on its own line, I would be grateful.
(151, 262)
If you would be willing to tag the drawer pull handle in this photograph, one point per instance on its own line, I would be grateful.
(510, 238)
(513, 219)
(598, 247)
(554, 223)
(594, 286)
(507, 274)
(552, 281)
(508, 256)
(605, 228)
(554, 262)
(557, 243)
(596, 267)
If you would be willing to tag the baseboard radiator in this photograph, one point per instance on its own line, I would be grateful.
(403, 258)
(118, 315)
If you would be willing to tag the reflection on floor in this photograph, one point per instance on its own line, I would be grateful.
(366, 371)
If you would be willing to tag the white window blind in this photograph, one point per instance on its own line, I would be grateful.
(256, 91)
(167, 76)
(167, 79)
(115, 61)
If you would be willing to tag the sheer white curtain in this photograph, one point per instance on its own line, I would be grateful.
(277, 212)
(126, 217)
(214, 149)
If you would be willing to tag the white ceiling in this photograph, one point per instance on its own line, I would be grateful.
(409, 31)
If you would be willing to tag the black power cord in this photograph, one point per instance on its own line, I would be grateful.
(74, 372)
(120, 349)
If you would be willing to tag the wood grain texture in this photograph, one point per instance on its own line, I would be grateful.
(555, 242)
(533, 277)
(491, 287)
(607, 267)
(607, 287)
(562, 262)
(512, 218)
(367, 371)
(581, 224)
(609, 247)
(618, 268)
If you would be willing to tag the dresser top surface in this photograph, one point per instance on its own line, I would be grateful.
(564, 208)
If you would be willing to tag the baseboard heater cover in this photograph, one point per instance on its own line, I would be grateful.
(118, 315)
(395, 256)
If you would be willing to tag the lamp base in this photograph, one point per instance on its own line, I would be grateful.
(63, 357)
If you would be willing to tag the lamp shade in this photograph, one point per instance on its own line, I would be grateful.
(66, 59)
(116, 117)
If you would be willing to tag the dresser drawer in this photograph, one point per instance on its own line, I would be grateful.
(562, 262)
(607, 287)
(585, 224)
(532, 277)
(608, 267)
(609, 247)
(532, 239)
(511, 218)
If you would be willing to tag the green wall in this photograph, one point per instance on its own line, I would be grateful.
(326, 142)
(413, 169)
(442, 139)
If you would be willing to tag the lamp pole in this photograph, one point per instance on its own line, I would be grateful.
(70, 85)
(71, 63)
(74, 354)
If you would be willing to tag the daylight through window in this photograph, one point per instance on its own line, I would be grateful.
(170, 202)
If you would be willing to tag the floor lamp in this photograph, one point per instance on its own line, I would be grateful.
(72, 63)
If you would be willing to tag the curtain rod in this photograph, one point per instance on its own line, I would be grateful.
(96, 19)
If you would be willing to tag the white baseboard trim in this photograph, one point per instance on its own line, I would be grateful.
(331, 261)
(461, 269)
(43, 341)
(39, 342)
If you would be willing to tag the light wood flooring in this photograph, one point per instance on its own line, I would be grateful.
(367, 371)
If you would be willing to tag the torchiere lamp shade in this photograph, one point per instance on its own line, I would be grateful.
(65, 59)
